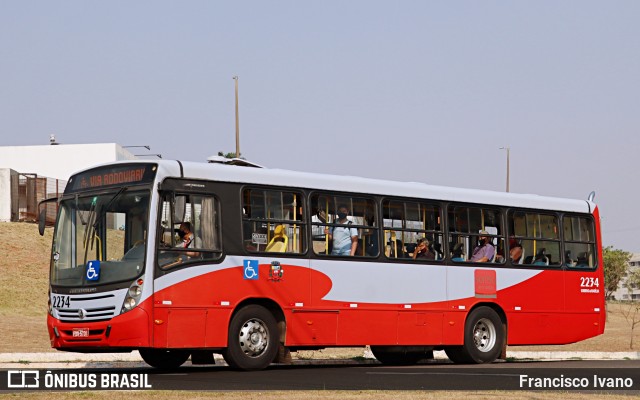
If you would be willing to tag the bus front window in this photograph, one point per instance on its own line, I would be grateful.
(100, 239)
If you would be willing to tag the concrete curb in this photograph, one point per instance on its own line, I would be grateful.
(133, 359)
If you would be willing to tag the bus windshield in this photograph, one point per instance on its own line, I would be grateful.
(100, 238)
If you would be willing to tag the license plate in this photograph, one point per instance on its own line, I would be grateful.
(80, 332)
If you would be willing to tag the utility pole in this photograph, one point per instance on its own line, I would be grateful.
(507, 148)
(235, 78)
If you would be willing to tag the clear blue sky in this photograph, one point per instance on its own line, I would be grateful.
(412, 90)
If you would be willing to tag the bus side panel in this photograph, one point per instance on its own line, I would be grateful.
(310, 328)
(453, 327)
(420, 327)
(196, 311)
(358, 326)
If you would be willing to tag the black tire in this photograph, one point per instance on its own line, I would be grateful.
(457, 355)
(483, 338)
(164, 359)
(397, 355)
(253, 339)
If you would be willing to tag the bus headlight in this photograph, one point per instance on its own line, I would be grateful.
(133, 296)
(129, 303)
(135, 291)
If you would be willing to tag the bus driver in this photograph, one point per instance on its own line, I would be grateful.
(345, 238)
(189, 241)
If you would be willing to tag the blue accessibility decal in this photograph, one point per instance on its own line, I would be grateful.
(251, 269)
(92, 271)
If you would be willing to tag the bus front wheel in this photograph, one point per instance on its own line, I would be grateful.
(164, 359)
(483, 338)
(253, 339)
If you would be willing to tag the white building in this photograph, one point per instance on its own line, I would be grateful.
(623, 293)
(62, 160)
(29, 174)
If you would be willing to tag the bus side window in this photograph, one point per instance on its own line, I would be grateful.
(344, 226)
(579, 242)
(412, 230)
(273, 221)
(189, 230)
(537, 234)
(476, 234)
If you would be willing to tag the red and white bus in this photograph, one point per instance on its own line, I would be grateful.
(260, 277)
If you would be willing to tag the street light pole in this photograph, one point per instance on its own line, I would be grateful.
(235, 78)
(507, 148)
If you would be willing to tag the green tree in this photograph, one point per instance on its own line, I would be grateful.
(616, 264)
(227, 155)
(633, 280)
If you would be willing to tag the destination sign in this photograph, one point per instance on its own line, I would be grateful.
(120, 175)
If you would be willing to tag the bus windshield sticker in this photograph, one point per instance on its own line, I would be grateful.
(93, 270)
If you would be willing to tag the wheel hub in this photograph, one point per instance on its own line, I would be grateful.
(484, 335)
(254, 338)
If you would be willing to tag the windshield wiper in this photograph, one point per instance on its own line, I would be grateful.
(122, 190)
(88, 227)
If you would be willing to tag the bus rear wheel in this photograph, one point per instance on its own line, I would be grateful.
(164, 359)
(483, 338)
(253, 339)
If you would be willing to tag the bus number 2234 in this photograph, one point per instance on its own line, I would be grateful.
(60, 301)
(589, 282)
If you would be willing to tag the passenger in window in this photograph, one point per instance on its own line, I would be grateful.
(423, 250)
(189, 241)
(569, 262)
(370, 237)
(515, 250)
(583, 260)
(457, 253)
(484, 251)
(344, 238)
(541, 257)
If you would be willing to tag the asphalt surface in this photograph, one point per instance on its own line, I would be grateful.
(498, 376)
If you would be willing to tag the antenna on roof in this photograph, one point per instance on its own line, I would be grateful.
(52, 139)
(592, 196)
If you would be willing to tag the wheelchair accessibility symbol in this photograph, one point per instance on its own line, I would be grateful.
(251, 269)
(93, 270)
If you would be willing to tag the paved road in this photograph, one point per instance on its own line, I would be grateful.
(587, 375)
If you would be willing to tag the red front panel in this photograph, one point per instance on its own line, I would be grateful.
(129, 330)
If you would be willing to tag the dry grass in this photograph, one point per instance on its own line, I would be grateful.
(319, 395)
(24, 274)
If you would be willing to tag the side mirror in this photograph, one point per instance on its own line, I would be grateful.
(42, 220)
(42, 214)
